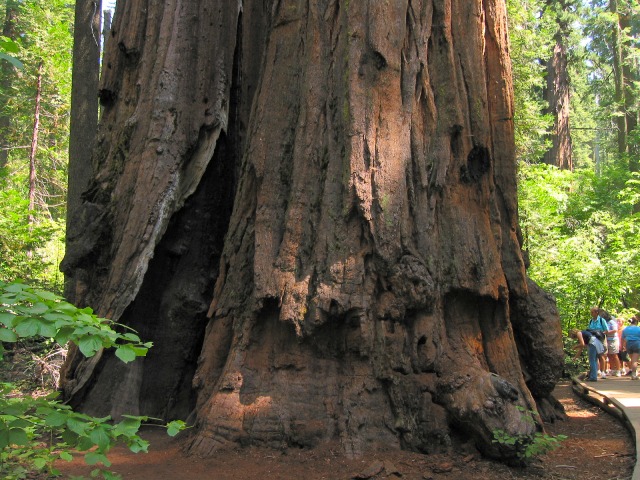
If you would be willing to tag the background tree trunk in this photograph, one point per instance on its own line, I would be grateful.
(84, 114)
(629, 80)
(7, 71)
(618, 77)
(333, 185)
(557, 94)
(33, 150)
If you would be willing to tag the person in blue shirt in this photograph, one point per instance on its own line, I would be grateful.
(631, 343)
(598, 321)
(594, 347)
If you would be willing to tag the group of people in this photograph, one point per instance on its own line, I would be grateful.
(612, 347)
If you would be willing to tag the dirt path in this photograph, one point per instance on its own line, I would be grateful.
(598, 447)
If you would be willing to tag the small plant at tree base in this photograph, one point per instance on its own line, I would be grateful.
(528, 446)
(36, 432)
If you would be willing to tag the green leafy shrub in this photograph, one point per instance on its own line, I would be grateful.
(36, 432)
(528, 446)
(26, 312)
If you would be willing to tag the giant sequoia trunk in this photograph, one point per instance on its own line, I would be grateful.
(310, 209)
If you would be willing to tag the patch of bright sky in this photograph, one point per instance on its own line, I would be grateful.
(109, 5)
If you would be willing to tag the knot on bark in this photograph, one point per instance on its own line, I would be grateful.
(505, 389)
(409, 287)
(411, 282)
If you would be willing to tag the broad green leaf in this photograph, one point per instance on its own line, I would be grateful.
(19, 422)
(29, 327)
(40, 462)
(128, 427)
(64, 334)
(46, 295)
(9, 45)
(139, 445)
(125, 353)
(66, 307)
(69, 437)
(65, 456)
(91, 458)
(55, 419)
(77, 426)
(58, 317)
(132, 337)
(140, 351)
(89, 345)
(4, 437)
(16, 409)
(8, 299)
(18, 436)
(100, 438)
(7, 335)
(48, 330)
(38, 309)
(174, 427)
(84, 443)
(15, 287)
(7, 319)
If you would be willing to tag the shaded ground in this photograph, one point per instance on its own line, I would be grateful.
(598, 447)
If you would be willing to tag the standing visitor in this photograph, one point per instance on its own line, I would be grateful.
(593, 345)
(623, 356)
(613, 347)
(597, 322)
(631, 343)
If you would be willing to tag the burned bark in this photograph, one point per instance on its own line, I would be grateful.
(371, 271)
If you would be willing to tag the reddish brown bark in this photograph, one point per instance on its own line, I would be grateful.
(558, 95)
(357, 159)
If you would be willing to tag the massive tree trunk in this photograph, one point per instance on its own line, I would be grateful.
(310, 209)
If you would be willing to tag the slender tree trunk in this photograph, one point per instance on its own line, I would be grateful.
(310, 209)
(84, 113)
(557, 94)
(630, 78)
(6, 76)
(618, 77)
(34, 145)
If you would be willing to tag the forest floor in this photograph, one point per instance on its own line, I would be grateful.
(597, 447)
